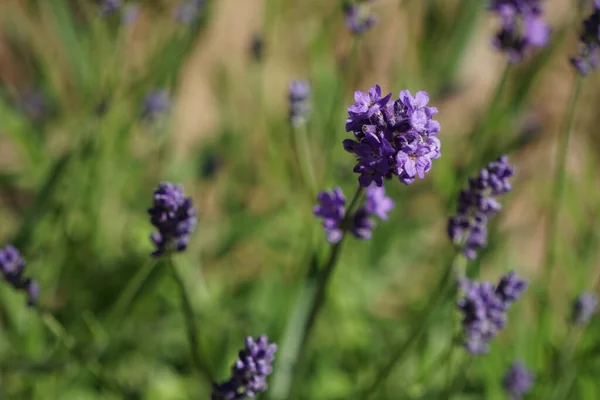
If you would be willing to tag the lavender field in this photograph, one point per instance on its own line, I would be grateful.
(281, 200)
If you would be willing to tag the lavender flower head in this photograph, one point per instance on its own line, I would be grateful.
(587, 59)
(249, 373)
(299, 93)
(174, 216)
(108, 7)
(517, 381)
(331, 209)
(522, 27)
(484, 309)
(156, 103)
(468, 228)
(358, 17)
(392, 138)
(188, 11)
(584, 307)
(12, 266)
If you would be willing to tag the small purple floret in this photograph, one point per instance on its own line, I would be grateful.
(174, 216)
(358, 17)
(249, 372)
(584, 307)
(108, 7)
(589, 45)
(298, 96)
(156, 103)
(12, 266)
(517, 381)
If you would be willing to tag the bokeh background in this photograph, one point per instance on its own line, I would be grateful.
(79, 162)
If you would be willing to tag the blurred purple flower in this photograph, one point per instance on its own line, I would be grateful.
(249, 372)
(587, 59)
(108, 7)
(522, 27)
(584, 307)
(517, 381)
(358, 17)
(392, 138)
(156, 103)
(174, 216)
(33, 104)
(298, 96)
(188, 11)
(130, 13)
(484, 309)
(331, 209)
(12, 266)
(468, 228)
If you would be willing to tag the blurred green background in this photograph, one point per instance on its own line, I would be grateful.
(77, 170)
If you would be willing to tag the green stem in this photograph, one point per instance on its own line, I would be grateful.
(564, 376)
(443, 292)
(190, 322)
(134, 286)
(303, 156)
(309, 304)
(559, 180)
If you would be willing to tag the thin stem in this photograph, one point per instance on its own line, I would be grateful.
(563, 376)
(443, 292)
(309, 304)
(134, 286)
(303, 156)
(559, 180)
(190, 322)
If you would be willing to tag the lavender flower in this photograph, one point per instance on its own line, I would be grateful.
(517, 381)
(156, 103)
(33, 104)
(392, 138)
(299, 92)
(12, 266)
(484, 309)
(174, 216)
(589, 45)
(522, 27)
(108, 7)
(188, 11)
(249, 373)
(468, 228)
(331, 209)
(584, 307)
(358, 17)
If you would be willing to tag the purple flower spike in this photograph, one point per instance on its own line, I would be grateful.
(108, 7)
(188, 11)
(392, 138)
(299, 93)
(522, 27)
(174, 216)
(584, 307)
(517, 381)
(358, 17)
(587, 59)
(484, 309)
(12, 266)
(249, 372)
(331, 209)
(468, 228)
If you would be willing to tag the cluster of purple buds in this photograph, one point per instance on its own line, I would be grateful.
(298, 95)
(517, 381)
(156, 103)
(522, 27)
(392, 137)
(249, 373)
(484, 309)
(584, 307)
(174, 216)
(332, 209)
(188, 11)
(589, 46)
(468, 228)
(358, 17)
(12, 266)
